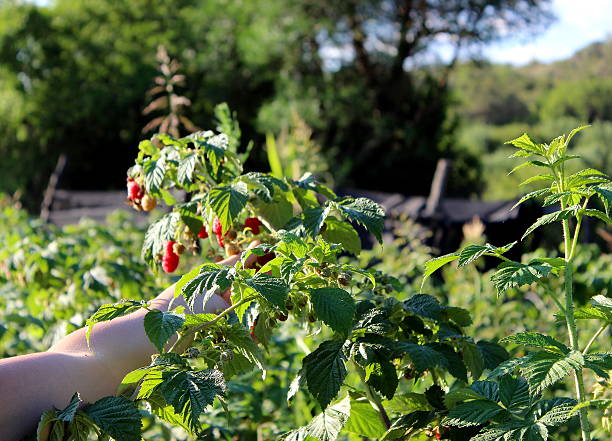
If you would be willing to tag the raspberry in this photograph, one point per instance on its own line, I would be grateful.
(253, 224)
(232, 235)
(203, 234)
(178, 248)
(148, 203)
(217, 227)
(134, 190)
(170, 247)
(220, 240)
(233, 249)
(170, 262)
(262, 260)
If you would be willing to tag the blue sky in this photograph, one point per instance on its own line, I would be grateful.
(579, 23)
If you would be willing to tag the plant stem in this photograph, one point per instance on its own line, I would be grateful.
(592, 340)
(375, 402)
(573, 337)
(177, 344)
(577, 232)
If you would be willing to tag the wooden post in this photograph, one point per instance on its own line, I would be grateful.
(45, 206)
(438, 186)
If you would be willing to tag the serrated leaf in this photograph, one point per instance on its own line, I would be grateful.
(424, 305)
(537, 340)
(604, 193)
(537, 178)
(227, 202)
(472, 252)
(524, 142)
(382, 376)
(531, 195)
(245, 345)
(158, 233)
(543, 369)
(364, 420)
(599, 308)
(599, 363)
(514, 394)
(433, 265)
(211, 278)
(454, 364)
(325, 371)
(154, 172)
(291, 244)
(472, 358)
(314, 219)
(116, 416)
(528, 163)
(492, 354)
(407, 424)
(507, 367)
(277, 213)
(598, 214)
(326, 426)
(273, 289)
(515, 274)
(554, 412)
(335, 307)
(472, 413)
(186, 167)
(422, 357)
(70, 410)
(190, 392)
(160, 326)
(110, 311)
(552, 217)
(365, 212)
(48, 424)
(342, 233)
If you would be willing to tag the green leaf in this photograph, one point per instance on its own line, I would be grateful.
(335, 307)
(160, 326)
(364, 420)
(314, 219)
(537, 340)
(472, 358)
(382, 376)
(154, 172)
(604, 193)
(408, 424)
(543, 369)
(186, 168)
(227, 202)
(598, 214)
(342, 233)
(190, 392)
(110, 311)
(514, 394)
(273, 289)
(424, 305)
(431, 266)
(554, 412)
(56, 428)
(325, 371)
(291, 244)
(158, 233)
(147, 147)
(524, 142)
(116, 416)
(492, 353)
(366, 213)
(245, 345)
(528, 163)
(472, 252)
(422, 357)
(211, 278)
(472, 413)
(531, 195)
(515, 274)
(599, 308)
(289, 268)
(552, 217)
(326, 426)
(277, 213)
(599, 363)
(537, 178)
(70, 410)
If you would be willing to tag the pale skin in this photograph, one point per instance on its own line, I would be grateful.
(34, 383)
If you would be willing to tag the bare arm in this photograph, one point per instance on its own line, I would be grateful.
(32, 384)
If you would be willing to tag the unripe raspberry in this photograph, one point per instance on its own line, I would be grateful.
(203, 234)
(217, 227)
(178, 248)
(148, 203)
(231, 235)
(253, 224)
(232, 249)
(281, 316)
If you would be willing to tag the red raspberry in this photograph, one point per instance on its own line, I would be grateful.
(262, 260)
(170, 247)
(170, 262)
(253, 223)
(134, 190)
(217, 227)
(220, 240)
(203, 234)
